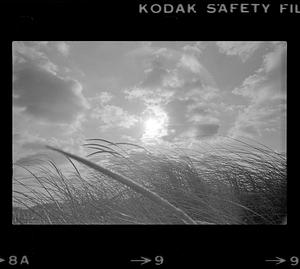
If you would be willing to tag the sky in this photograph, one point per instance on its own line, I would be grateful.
(149, 93)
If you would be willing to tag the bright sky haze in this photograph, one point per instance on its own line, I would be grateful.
(147, 93)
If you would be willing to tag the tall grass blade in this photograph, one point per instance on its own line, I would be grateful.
(133, 185)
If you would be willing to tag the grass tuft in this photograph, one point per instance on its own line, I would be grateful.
(236, 182)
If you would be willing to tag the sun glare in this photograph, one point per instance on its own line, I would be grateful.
(153, 128)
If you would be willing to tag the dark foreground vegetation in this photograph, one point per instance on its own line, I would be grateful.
(231, 183)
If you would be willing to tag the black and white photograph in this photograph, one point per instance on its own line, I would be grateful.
(149, 132)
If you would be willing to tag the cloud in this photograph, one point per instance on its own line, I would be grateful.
(113, 116)
(163, 64)
(146, 51)
(207, 130)
(205, 93)
(250, 86)
(29, 147)
(25, 144)
(29, 50)
(164, 82)
(102, 98)
(155, 96)
(191, 118)
(265, 112)
(196, 48)
(32, 52)
(39, 90)
(189, 69)
(154, 88)
(260, 117)
(197, 117)
(242, 49)
(178, 84)
(47, 96)
(198, 133)
(63, 48)
(267, 80)
(266, 94)
(191, 63)
(248, 130)
(154, 75)
(275, 58)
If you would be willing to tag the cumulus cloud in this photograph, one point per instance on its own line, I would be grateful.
(190, 62)
(275, 58)
(266, 110)
(251, 86)
(113, 116)
(261, 117)
(162, 63)
(266, 93)
(197, 117)
(194, 108)
(192, 119)
(46, 95)
(242, 49)
(110, 115)
(196, 48)
(146, 53)
(29, 50)
(101, 98)
(257, 118)
(205, 93)
(63, 48)
(155, 96)
(183, 78)
(40, 91)
(154, 75)
(32, 52)
(273, 69)
(177, 89)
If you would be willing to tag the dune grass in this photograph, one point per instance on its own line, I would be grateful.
(235, 182)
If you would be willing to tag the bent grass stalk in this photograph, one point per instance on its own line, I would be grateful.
(133, 185)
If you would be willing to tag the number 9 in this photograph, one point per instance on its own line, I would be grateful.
(294, 260)
(159, 260)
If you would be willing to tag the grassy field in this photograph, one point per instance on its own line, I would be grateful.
(235, 182)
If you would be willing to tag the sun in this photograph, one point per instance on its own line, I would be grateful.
(153, 127)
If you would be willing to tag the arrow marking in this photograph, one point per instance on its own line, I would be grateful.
(143, 260)
(278, 260)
